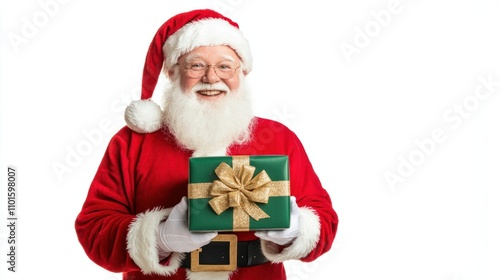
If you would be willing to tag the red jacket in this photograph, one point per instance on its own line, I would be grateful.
(142, 176)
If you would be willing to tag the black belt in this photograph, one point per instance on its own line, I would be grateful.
(224, 252)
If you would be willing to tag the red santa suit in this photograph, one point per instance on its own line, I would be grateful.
(144, 174)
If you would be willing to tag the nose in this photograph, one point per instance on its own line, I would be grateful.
(210, 75)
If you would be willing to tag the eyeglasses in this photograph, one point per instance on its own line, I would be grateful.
(223, 70)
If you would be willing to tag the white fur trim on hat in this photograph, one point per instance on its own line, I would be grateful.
(304, 243)
(207, 32)
(143, 116)
(141, 243)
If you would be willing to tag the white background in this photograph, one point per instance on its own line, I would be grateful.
(70, 68)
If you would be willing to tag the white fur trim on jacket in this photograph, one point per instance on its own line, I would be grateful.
(141, 243)
(306, 241)
(207, 32)
(220, 152)
(218, 275)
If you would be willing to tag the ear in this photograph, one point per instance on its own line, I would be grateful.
(170, 74)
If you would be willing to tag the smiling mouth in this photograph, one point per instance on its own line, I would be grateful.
(210, 92)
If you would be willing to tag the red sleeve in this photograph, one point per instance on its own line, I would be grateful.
(319, 220)
(309, 192)
(107, 212)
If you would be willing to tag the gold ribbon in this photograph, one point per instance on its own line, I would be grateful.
(237, 188)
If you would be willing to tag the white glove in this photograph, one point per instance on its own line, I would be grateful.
(282, 237)
(174, 235)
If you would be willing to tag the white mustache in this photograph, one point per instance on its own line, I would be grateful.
(217, 86)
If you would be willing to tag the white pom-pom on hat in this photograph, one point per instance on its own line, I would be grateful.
(143, 116)
(177, 36)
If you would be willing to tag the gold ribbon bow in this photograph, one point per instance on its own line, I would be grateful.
(238, 189)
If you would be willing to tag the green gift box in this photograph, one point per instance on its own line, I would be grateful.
(239, 193)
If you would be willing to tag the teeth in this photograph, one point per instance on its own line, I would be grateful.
(210, 92)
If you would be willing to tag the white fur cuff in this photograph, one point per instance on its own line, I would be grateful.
(141, 243)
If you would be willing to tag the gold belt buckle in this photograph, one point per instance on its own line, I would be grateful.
(233, 242)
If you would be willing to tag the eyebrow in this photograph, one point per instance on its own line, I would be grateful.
(193, 56)
(228, 57)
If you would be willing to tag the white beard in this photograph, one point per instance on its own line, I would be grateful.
(208, 127)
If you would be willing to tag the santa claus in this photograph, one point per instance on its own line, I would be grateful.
(134, 219)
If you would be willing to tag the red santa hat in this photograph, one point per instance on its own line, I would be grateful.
(177, 36)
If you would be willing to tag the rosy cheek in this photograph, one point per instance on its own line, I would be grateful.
(188, 83)
(234, 84)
